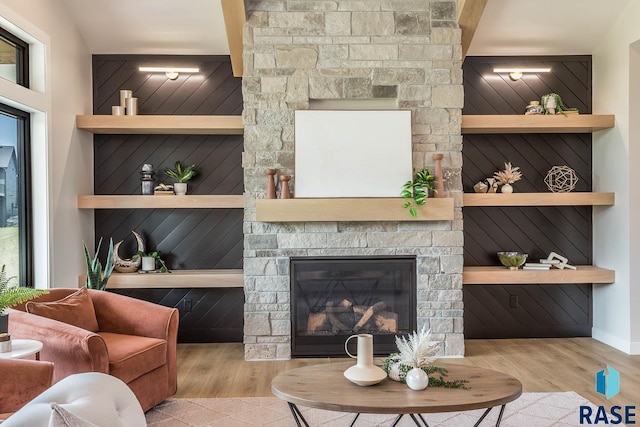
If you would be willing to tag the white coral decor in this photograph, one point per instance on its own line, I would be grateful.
(417, 350)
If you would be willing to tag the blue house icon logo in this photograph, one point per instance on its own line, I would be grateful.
(608, 384)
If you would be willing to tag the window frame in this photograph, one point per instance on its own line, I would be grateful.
(22, 56)
(25, 192)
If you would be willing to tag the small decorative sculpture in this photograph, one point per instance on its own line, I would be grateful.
(507, 177)
(285, 193)
(558, 261)
(271, 185)
(127, 265)
(147, 179)
(561, 179)
(488, 185)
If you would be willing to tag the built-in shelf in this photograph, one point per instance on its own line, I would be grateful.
(176, 279)
(161, 202)
(570, 123)
(351, 209)
(539, 199)
(141, 124)
(495, 275)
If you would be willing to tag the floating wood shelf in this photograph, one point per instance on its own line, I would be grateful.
(352, 209)
(161, 202)
(175, 279)
(571, 123)
(495, 275)
(539, 199)
(141, 124)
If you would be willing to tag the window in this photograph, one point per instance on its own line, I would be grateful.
(14, 58)
(15, 195)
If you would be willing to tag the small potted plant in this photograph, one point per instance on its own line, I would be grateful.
(507, 177)
(417, 190)
(181, 175)
(150, 260)
(12, 295)
(552, 104)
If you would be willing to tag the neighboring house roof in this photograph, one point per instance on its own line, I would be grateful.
(6, 154)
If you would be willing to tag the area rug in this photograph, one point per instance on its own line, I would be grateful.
(530, 410)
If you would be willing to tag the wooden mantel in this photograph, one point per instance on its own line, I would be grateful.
(350, 209)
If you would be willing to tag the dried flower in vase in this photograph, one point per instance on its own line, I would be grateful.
(417, 350)
(509, 175)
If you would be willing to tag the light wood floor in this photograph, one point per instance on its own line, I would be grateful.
(542, 365)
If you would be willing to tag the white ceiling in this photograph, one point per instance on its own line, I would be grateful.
(544, 27)
(196, 27)
(161, 27)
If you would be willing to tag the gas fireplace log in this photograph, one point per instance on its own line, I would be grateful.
(338, 315)
(386, 321)
(375, 308)
(318, 322)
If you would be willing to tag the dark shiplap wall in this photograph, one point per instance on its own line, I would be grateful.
(544, 310)
(187, 238)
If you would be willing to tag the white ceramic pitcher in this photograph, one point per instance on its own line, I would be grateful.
(364, 372)
(364, 354)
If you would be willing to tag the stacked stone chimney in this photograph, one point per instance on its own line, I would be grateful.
(297, 51)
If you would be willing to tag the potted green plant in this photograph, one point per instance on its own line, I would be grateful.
(150, 260)
(416, 191)
(12, 295)
(96, 278)
(552, 104)
(181, 175)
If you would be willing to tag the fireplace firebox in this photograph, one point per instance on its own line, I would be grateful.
(335, 297)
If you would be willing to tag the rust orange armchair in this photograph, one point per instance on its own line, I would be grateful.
(22, 380)
(130, 339)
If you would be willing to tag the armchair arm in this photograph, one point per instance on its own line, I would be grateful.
(125, 315)
(71, 349)
(22, 380)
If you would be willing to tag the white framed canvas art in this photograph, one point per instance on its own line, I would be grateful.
(352, 153)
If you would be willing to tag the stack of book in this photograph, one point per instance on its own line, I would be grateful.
(536, 266)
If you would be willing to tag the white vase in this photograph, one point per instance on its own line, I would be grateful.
(364, 372)
(506, 188)
(417, 379)
(148, 263)
(180, 188)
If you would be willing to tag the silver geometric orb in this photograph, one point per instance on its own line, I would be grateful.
(561, 179)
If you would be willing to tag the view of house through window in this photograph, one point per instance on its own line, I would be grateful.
(14, 218)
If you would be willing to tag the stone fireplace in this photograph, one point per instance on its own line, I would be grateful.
(403, 52)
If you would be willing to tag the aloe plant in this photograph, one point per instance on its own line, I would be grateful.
(96, 279)
(416, 191)
(12, 295)
(181, 173)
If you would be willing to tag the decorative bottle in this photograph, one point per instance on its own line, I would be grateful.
(147, 179)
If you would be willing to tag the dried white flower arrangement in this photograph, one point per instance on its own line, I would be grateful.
(509, 175)
(417, 350)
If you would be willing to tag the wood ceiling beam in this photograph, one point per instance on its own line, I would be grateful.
(234, 20)
(469, 14)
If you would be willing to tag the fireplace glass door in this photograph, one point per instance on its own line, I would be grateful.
(334, 298)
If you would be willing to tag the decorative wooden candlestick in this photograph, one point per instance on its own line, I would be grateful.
(284, 187)
(271, 185)
(438, 174)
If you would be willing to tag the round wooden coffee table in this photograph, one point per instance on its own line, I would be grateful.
(324, 386)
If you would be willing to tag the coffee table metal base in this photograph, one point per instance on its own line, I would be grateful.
(418, 419)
